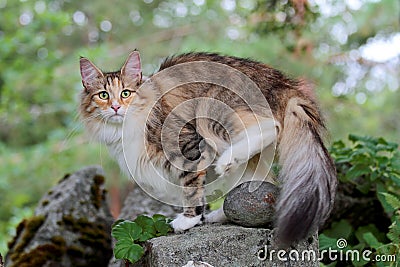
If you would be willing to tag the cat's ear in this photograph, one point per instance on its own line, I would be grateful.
(132, 71)
(90, 73)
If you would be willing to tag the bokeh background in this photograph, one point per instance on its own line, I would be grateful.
(350, 50)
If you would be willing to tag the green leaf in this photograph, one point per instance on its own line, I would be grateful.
(140, 230)
(370, 228)
(342, 159)
(326, 242)
(374, 175)
(126, 230)
(162, 227)
(358, 170)
(354, 138)
(125, 249)
(144, 236)
(392, 200)
(371, 240)
(395, 177)
(341, 229)
(338, 145)
(117, 222)
(381, 190)
(394, 233)
(143, 220)
(364, 187)
(147, 225)
(358, 263)
(159, 217)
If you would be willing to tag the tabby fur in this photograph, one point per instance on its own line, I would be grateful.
(166, 135)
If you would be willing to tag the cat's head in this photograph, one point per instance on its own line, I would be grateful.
(106, 95)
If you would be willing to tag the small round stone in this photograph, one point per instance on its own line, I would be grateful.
(251, 204)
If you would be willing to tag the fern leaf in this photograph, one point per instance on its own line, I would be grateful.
(392, 200)
(394, 233)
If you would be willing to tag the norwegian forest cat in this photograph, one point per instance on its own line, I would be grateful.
(167, 128)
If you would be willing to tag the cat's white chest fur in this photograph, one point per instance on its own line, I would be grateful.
(134, 160)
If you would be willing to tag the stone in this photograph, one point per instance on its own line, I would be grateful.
(213, 244)
(72, 224)
(70, 227)
(251, 204)
(139, 203)
(227, 245)
(197, 264)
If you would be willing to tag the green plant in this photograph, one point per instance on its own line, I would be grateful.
(131, 235)
(367, 163)
(370, 167)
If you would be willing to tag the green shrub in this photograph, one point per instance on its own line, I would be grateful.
(370, 167)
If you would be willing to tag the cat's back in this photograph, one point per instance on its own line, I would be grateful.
(235, 62)
(276, 87)
(257, 71)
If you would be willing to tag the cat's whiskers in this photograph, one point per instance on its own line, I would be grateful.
(78, 122)
(72, 132)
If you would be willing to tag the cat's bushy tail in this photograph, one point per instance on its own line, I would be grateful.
(307, 174)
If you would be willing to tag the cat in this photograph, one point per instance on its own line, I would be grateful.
(201, 129)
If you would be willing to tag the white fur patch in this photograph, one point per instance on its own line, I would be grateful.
(253, 141)
(216, 216)
(182, 223)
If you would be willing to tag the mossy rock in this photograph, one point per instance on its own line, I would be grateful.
(71, 226)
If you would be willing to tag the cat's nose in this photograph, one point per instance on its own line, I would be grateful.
(115, 108)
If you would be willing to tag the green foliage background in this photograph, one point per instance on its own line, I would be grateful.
(41, 41)
(368, 169)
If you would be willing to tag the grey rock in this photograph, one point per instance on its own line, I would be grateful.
(197, 264)
(71, 226)
(251, 204)
(226, 245)
(216, 245)
(137, 203)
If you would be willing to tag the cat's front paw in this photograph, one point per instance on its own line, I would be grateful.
(182, 223)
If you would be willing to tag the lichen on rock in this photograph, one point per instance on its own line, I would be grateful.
(70, 227)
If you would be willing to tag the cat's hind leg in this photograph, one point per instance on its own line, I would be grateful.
(250, 142)
(193, 193)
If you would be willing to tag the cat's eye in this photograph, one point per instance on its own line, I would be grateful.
(103, 95)
(125, 93)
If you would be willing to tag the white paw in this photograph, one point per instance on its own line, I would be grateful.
(216, 216)
(226, 163)
(182, 223)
